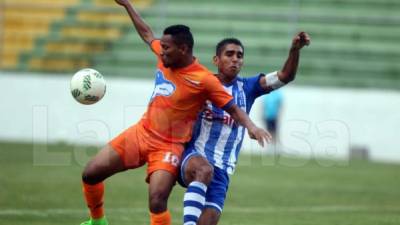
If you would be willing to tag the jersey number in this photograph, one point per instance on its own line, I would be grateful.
(171, 158)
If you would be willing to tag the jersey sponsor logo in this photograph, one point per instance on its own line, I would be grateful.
(209, 115)
(163, 86)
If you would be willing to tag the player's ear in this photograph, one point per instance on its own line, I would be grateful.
(184, 49)
(215, 60)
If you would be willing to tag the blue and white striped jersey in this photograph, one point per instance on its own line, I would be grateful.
(215, 135)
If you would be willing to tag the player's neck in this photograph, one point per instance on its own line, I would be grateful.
(226, 79)
(184, 63)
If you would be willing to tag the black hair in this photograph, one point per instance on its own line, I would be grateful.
(226, 41)
(181, 35)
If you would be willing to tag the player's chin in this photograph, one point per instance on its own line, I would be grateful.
(233, 71)
(166, 64)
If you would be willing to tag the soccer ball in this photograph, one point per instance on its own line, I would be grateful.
(88, 86)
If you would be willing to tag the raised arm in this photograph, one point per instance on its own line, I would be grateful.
(243, 119)
(288, 72)
(142, 28)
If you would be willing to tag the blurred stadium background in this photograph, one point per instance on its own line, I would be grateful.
(345, 99)
(354, 42)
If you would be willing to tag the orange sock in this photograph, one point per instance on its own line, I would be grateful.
(163, 218)
(94, 199)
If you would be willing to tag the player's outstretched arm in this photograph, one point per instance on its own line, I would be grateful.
(243, 119)
(142, 28)
(288, 72)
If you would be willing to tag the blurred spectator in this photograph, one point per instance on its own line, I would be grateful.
(272, 104)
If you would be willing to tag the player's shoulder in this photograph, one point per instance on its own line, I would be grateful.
(241, 79)
(256, 76)
(155, 46)
(244, 80)
(198, 76)
(251, 80)
(251, 84)
(200, 72)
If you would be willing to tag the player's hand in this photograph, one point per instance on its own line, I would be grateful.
(300, 40)
(260, 135)
(122, 2)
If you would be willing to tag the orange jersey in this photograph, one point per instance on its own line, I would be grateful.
(178, 97)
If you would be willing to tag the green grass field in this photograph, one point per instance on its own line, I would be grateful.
(276, 191)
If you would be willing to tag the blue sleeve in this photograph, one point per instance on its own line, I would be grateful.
(253, 89)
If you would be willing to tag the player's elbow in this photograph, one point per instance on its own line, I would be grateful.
(147, 35)
(148, 39)
(290, 78)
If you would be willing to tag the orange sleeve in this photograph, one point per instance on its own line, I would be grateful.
(156, 46)
(217, 93)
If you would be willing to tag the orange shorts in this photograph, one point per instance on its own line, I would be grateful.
(136, 146)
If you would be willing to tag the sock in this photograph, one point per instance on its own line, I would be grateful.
(163, 218)
(193, 202)
(94, 199)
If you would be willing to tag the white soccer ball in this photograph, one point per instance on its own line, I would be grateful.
(88, 86)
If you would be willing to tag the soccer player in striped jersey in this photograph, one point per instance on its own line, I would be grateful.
(213, 150)
(182, 85)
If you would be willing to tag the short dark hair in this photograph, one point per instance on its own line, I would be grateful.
(181, 35)
(226, 41)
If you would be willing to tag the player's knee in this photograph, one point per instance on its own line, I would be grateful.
(204, 174)
(89, 175)
(209, 217)
(214, 219)
(158, 201)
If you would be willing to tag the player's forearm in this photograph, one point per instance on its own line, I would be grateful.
(241, 117)
(288, 72)
(141, 27)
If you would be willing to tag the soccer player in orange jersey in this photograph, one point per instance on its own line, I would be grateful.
(182, 88)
